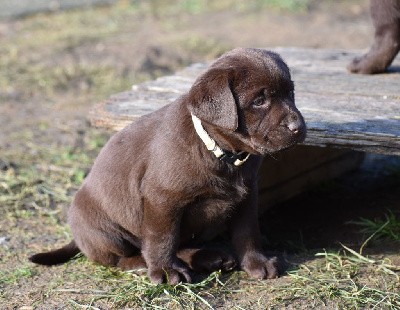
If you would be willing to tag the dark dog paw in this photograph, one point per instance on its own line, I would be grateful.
(377, 60)
(354, 65)
(208, 260)
(173, 274)
(365, 65)
(260, 267)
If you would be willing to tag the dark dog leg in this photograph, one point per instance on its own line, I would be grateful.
(386, 20)
(246, 240)
(160, 244)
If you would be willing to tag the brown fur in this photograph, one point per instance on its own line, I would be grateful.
(386, 20)
(155, 192)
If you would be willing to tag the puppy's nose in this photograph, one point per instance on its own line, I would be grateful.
(295, 123)
(294, 127)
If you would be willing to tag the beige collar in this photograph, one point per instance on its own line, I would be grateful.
(236, 159)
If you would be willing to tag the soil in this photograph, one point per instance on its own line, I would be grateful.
(33, 119)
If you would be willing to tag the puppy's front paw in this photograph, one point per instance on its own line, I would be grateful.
(260, 267)
(173, 274)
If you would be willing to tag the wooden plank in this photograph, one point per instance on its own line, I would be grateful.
(341, 110)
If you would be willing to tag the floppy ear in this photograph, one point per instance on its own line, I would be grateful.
(211, 99)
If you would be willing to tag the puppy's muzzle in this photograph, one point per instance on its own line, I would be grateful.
(296, 125)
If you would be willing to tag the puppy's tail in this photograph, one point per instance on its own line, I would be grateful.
(56, 257)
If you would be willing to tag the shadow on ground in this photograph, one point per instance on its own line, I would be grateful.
(322, 217)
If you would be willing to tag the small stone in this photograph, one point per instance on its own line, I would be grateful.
(3, 239)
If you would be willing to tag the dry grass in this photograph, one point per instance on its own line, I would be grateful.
(345, 279)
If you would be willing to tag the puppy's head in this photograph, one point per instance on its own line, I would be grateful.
(247, 96)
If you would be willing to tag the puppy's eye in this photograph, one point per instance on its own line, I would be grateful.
(259, 101)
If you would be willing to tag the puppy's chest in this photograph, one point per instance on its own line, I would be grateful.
(213, 207)
(221, 194)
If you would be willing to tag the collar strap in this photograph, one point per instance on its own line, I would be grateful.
(236, 159)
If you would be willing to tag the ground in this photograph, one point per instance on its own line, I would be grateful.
(55, 67)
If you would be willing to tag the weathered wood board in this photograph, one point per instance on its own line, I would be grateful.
(342, 110)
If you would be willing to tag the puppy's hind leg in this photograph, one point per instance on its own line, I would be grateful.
(116, 252)
(206, 260)
(135, 263)
(110, 249)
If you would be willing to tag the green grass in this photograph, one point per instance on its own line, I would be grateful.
(18, 274)
(291, 5)
(28, 64)
(121, 289)
(27, 190)
(207, 47)
(387, 228)
(337, 279)
(136, 290)
(50, 80)
(341, 279)
(43, 186)
(161, 8)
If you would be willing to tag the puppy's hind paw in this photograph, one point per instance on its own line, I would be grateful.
(207, 260)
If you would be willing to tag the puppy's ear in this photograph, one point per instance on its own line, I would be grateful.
(211, 99)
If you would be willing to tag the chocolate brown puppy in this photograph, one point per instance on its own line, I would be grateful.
(386, 20)
(176, 178)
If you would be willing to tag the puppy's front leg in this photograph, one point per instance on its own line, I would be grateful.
(160, 231)
(246, 240)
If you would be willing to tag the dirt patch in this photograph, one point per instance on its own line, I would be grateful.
(54, 68)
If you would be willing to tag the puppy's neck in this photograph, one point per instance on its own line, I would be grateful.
(237, 159)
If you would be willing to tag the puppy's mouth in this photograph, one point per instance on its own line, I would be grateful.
(266, 150)
(270, 146)
(259, 149)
